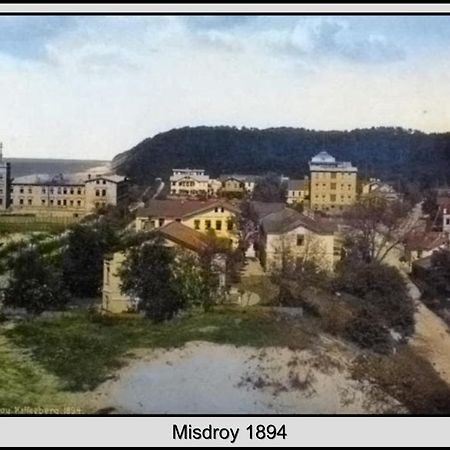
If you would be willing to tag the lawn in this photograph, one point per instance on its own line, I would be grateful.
(84, 349)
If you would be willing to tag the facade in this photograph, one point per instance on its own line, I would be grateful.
(332, 183)
(5, 182)
(189, 183)
(237, 184)
(377, 188)
(289, 234)
(66, 195)
(297, 191)
(202, 216)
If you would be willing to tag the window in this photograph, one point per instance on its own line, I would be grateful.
(52, 202)
(447, 221)
(216, 209)
(97, 193)
(59, 191)
(79, 202)
(79, 191)
(58, 202)
(161, 222)
(229, 225)
(104, 181)
(333, 175)
(21, 190)
(197, 224)
(64, 202)
(218, 225)
(43, 190)
(333, 186)
(300, 239)
(52, 190)
(71, 202)
(222, 209)
(207, 224)
(64, 191)
(103, 192)
(71, 191)
(1, 201)
(30, 190)
(21, 201)
(30, 201)
(333, 197)
(43, 201)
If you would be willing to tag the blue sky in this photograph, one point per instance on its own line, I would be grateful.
(94, 86)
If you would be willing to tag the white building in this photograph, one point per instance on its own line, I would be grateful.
(189, 182)
(5, 181)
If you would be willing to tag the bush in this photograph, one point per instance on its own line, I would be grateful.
(367, 332)
(381, 289)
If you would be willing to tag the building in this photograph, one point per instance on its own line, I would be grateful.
(5, 182)
(297, 191)
(174, 235)
(332, 183)
(203, 216)
(420, 244)
(237, 185)
(377, 188)
(189, 183)
(66, 195)
(290, 234)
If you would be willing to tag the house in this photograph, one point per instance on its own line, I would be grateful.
(420, 244)
(189, 183)
(445, 208)
(203, 216)
(237, 184)
(66, 195)
(376, 187)
(288, 233)
(175, 235)
(332, 183)
(297, 191)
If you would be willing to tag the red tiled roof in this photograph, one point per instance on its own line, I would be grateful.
(186, 237)
(428, 240)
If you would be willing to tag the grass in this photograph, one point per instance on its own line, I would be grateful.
(83, 349)
(24, 386)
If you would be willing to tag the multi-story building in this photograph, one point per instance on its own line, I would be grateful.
(189, 182)
(237, 184)
(332, 183)
(5, 182)
(297, 191)
(66, 195)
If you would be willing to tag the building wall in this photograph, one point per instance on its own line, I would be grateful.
(296, 196)
(5, 185)
(113, 300)
(299, 243)
(332, 189)
(101, 192)
(48, 199)
(233, 186)
(446, 220)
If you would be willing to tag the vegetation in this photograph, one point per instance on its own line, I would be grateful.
(84, 349)
(34, 284)
(270, 189)
(82, 261)
(395, 154)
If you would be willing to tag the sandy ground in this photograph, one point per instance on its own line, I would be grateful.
(206, 378)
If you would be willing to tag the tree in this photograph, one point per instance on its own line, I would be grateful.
(382, 291)
(438, 277)
(148, 275)
(375, 227)
(270, 189)
(82, 261)
(33, 284)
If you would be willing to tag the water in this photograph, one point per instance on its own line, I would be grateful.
(29, 166)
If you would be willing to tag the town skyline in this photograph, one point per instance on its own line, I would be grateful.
(92, 87)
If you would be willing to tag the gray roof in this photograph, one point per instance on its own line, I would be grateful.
(297, 185)
(262, 209)
(288, 219)
(240, 177)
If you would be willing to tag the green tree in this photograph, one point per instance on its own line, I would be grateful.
(270, 189)
(148, 275)
(82, 261)
(34, 284)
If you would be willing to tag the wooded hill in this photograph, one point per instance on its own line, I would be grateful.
(394, 154)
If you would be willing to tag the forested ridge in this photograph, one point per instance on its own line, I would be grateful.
(394, 154)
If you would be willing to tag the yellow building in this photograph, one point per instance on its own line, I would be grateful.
(332, 183)
(297, 191)
(203, 216)
(174, 234)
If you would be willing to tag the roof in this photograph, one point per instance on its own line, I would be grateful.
(288, 219)
(323, 158)
(181, 208)
(262, 209)
(186, 237)
(112, 177)
(46, 179)
(425, 240)
(240, 177)
(297, 185)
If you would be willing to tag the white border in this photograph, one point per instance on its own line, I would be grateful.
(225, 8)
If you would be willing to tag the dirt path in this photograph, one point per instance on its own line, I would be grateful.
(207, 378)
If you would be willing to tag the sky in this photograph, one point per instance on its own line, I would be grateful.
(93, 86)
